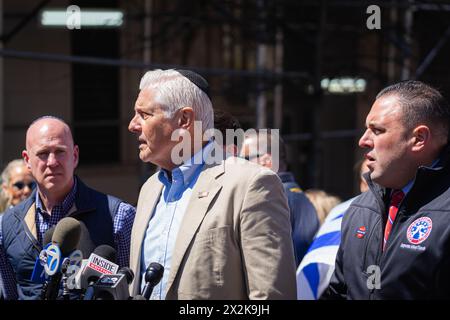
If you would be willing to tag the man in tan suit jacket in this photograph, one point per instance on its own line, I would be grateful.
(233, 241)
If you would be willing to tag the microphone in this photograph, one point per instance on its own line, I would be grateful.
(114, 286)
(48, 235)
(86, 245)
(65, 239)
(99, 263)
(153, 275)
(38, 274)
(70, 267)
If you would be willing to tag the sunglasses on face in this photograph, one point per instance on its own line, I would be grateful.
(249, 158)
(20, 185)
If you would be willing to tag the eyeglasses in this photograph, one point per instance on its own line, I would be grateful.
(20, 185)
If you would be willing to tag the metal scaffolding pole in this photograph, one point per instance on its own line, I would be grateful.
(278, 91)
(261, 55)
(408, 23)
(2, 113)
(393, 17)
(316, 161)
(28, 55)
(432, 54)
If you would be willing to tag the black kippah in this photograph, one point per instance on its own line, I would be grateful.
(196, 79)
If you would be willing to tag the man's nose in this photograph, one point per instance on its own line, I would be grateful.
(365, 141)
(51, 160)
(133, 125)
(27, 189)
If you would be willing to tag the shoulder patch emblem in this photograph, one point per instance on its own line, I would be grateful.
(419, 230)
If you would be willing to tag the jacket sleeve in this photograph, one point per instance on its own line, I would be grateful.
(8, 287)
(265, 235)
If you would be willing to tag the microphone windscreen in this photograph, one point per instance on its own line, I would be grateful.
(129, 274)
(67, 235)
(107, 252)
(86, 244)
(48, 235)
(154, 273)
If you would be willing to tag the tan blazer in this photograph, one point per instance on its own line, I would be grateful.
(235, 237)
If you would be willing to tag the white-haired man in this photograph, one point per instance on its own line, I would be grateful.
(220, 228)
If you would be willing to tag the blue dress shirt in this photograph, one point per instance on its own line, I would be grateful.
(167, 216)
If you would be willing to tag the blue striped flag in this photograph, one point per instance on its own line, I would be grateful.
(315, 271)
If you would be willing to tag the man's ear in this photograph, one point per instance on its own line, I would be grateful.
(186, 117)
(266, 160)
(420, 138)
(76, 155)
(26, 158)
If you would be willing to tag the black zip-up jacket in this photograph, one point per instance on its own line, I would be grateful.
(416, 261)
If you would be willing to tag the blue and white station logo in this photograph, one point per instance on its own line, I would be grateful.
(419, 230)
(53, 260)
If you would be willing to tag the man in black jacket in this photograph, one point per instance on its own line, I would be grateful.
(396, 237)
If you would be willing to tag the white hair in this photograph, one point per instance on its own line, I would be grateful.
(174, 91)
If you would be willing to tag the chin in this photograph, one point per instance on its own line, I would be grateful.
(55, 183)
(50, 185)
(53, 180)
(144, 158)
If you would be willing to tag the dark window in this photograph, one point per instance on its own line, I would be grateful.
(95, 92)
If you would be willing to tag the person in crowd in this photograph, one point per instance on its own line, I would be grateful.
(224, 121)
(322, 201)
(218, 225)
(316, 268)
(395, 237)
(361, 168)
(269, 150)
(52, 157)
(17, 184)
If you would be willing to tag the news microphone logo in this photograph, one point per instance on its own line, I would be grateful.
(102, 265)
(47, 258)
(73, 20)
(109, 280)
(38, 275)
(75, 260)
(53, 258)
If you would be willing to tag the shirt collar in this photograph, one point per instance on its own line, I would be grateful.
(66, 204)
(189, 168)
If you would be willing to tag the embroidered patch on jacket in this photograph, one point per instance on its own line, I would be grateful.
(360, 233)
(419, 230)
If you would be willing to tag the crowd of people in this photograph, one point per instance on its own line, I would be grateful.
(227, 219)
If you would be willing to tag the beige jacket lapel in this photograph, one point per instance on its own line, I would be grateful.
(147, 201)
(203, 193)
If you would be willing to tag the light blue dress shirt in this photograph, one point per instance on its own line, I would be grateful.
(165, 222)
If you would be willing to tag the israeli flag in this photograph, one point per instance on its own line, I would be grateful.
(315, 271)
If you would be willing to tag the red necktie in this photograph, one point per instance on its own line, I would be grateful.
(396, 198)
